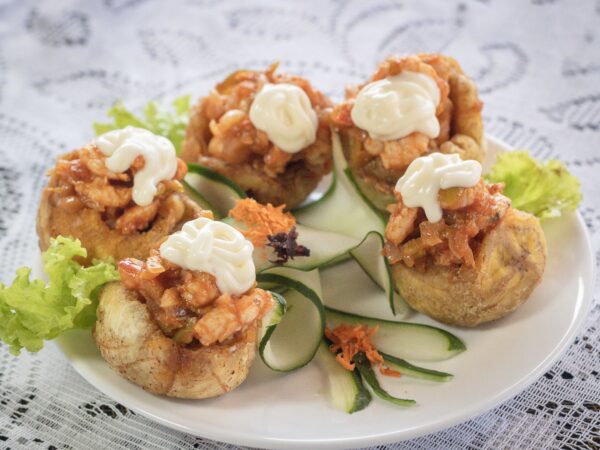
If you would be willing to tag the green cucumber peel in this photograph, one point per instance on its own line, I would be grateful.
(326, 195)
(293, 341)
(341, 210)
(346, 389)
(383, 215)
(198, 198)
(363, 365)
(271, 320)
(216, 176)
(378, 268)
(408, 340)
(326, 249)
(218, 192)
(410, 370)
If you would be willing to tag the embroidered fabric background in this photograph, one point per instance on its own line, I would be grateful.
(62, 63)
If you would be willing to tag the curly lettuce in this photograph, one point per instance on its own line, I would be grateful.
(543, 189)
(170, 124)
(32, 311)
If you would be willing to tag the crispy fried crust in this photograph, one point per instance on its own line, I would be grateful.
(508, 266)
(135, 347)
(290, 189)
(98, 238)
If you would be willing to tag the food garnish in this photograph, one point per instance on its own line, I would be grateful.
(268, 132)
(200, 289)
(32, 311)
(261, 221)
(396, 106)
(426, 176)
(286, 246)
(284, 112)
(366, 372)
(545, 189)
(217, 248)
(152, 156)
(170, 124)
(195, 301)
(349, 340)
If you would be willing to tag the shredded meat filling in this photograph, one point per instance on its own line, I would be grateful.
(84, 179)
(187, 305)
(467, 215)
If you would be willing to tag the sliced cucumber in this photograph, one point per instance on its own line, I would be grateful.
(377, 200)
(346, 390)
(314, 197)
(272, 319)
(294, 340)
(342, 210)
(363, 366)
(406, 368)
(347, 287)
(345, 210)
(326, 249)
(217, 190)
(404, 339)
(198, 198)
(368, 254)
(378, 208)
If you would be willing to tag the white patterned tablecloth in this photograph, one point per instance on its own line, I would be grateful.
(62, 63)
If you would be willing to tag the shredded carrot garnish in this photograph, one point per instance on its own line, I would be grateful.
(348, 340)
(261, 220)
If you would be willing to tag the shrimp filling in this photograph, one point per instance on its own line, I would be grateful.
(83, 181)
(188, 306)
(468, 214)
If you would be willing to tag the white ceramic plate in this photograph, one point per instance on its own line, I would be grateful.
(291, 410)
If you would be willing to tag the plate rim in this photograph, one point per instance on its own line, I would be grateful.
(473, 409)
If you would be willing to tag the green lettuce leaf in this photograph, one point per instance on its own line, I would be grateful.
(32, 311)
(543, 189)
(170, 124)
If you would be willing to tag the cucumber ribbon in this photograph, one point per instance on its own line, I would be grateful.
(344, 232)
(341, 225)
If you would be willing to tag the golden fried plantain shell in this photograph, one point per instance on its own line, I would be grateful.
(291, 187)
(98, 238)
(508, 266)
(134, 346)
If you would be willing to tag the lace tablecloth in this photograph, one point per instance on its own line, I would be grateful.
(62, 63)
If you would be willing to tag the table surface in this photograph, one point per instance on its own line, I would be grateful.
(62, 63)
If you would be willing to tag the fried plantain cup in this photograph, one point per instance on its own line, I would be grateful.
(84, 200)
(468, 281)
(132, 344)
(509, 264)
(173, 332)
(221, 136)
(377, 164)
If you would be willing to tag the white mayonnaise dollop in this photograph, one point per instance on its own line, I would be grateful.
(397, 106)
(122, 147)
(214, 247)
(284, 112)
(426, 175)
